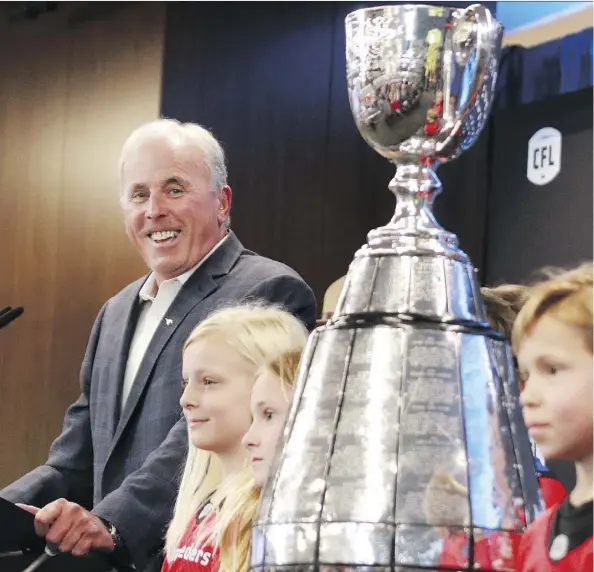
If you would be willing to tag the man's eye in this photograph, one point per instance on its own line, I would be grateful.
(268, 415)
(175, 191)
(208, 381)
(139, 196)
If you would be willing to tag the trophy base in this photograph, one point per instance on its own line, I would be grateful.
(430, 408)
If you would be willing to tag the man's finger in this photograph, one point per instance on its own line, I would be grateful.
(71, 538)
(50, 512)
(58, 532)
(82, 547)
(66, 521)
(28, 507)
(47, 515)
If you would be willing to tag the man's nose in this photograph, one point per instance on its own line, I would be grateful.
(156, 206)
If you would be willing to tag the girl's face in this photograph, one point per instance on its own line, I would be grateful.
(556, 372)
(269, 407)
(216, 398)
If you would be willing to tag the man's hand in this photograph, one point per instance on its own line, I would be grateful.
(71, 528)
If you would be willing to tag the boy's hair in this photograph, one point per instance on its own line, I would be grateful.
(234, 525)
(503, 304)
(565, 296)
(259, 334)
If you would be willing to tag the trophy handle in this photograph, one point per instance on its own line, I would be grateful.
(471, 37)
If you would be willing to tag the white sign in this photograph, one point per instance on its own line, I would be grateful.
(544, 156)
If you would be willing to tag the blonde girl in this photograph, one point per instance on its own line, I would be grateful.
(221, 359)
(270, 401)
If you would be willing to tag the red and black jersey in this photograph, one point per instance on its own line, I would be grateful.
(553, 492)
(500, 548)
(193, 554)
(559, 540)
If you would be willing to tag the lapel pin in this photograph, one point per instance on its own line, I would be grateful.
(168, 321)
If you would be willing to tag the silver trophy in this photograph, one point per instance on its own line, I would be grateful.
(405, 447)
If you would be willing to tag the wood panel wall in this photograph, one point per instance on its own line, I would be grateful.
(70, 93)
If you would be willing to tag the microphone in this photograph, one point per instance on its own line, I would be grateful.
(9, 314)
(49, 552)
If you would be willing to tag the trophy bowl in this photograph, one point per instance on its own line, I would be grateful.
(405, 447)
(421, 78)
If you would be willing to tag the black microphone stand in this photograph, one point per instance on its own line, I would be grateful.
(9, 314)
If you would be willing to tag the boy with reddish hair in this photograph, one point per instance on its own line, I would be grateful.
(503, 304)
(552, 339)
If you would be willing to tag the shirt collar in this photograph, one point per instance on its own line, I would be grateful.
(149, 288)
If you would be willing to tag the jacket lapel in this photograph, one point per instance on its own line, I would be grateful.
(125, 321)
(197, 288)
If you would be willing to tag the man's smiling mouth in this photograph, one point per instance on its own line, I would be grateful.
(162, 236)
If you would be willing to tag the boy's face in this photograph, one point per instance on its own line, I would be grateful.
(556, 372)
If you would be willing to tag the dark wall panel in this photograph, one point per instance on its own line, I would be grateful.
(529, 225)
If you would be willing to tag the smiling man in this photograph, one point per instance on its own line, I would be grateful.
(124, 440)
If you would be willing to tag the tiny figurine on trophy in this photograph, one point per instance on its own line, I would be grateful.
(405, 447)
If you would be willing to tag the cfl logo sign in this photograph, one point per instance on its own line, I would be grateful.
(544, 156)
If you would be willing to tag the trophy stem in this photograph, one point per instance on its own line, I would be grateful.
(415, 188)
(413, 224)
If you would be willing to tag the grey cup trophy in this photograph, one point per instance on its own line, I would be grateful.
(405, 447)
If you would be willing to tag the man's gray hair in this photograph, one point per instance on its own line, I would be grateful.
(183, 134)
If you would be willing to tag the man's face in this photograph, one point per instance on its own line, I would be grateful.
(172, 216)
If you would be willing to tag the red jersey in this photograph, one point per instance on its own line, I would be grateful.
(559, 540)
(195, 557)
(553, 492)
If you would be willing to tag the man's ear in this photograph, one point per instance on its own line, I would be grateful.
(225, 199)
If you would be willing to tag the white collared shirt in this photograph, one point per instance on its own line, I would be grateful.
(154, 308)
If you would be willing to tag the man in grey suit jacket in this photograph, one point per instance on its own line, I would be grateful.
(124, 441)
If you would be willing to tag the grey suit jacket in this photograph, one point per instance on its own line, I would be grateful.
(126, 467)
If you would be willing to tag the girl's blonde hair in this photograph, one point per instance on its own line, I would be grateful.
(566, 296)
(259, 334)
(285, 368)
(234, 526)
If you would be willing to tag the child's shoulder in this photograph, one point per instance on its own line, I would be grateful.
(540, 527)
(559, 540)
